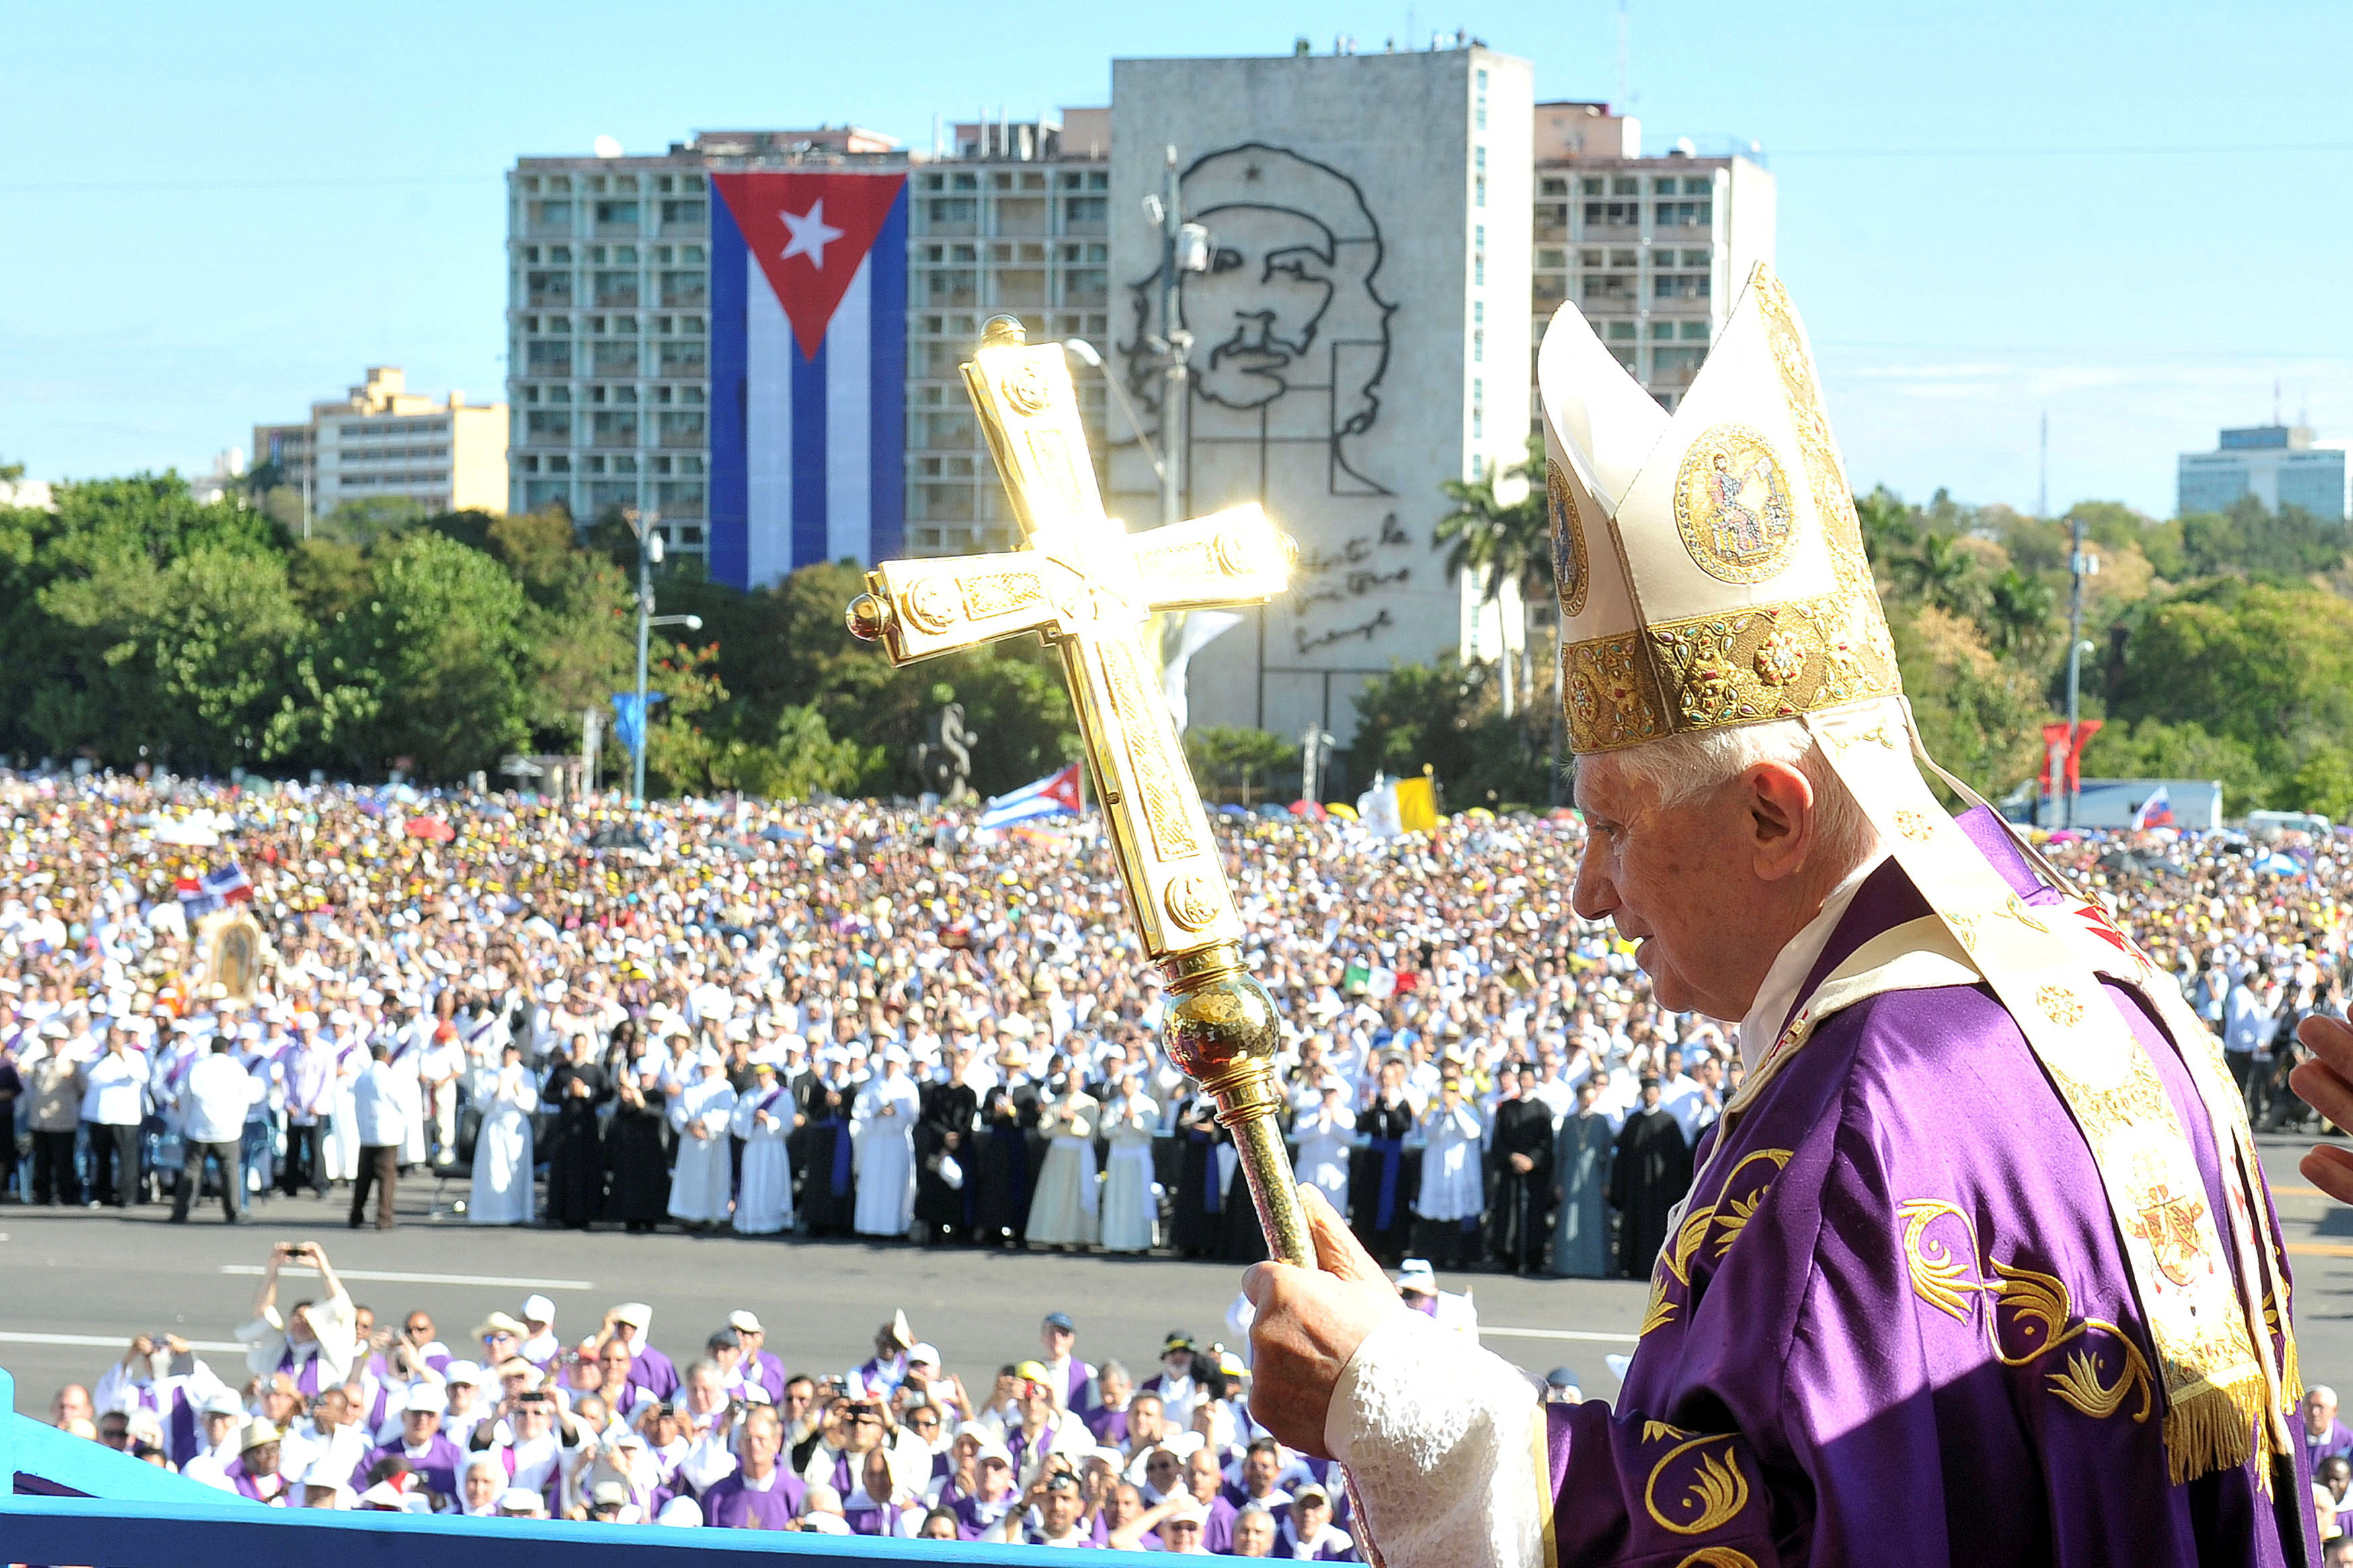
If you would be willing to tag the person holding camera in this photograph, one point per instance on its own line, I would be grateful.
(316, 1342)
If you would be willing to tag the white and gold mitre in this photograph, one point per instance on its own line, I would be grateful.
(1710, 567)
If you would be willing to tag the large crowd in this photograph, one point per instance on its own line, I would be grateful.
(852, 1018)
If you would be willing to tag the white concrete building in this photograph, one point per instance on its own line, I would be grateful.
(2279, 465)
(1652, 248)
(1357, 336)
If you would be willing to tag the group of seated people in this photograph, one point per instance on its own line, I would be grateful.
(339, 1413)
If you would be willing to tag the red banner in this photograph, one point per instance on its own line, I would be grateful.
(2056, 738)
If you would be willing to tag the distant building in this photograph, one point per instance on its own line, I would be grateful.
(382, 442)
(2279, 465)
(1653, 250)
(227, 473)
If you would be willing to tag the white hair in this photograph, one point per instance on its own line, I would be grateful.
(1680, 768)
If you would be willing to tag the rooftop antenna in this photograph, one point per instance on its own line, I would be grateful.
(1625, 92)
(2276, 400)
(2043, 485)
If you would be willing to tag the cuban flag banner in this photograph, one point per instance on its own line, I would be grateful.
(1053, 795)
(808, 362)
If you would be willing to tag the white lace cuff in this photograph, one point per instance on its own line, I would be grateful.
(1446, 1442)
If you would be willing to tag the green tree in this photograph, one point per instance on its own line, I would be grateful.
(2017, 617)
(439, 643)
(2153, 749)
(1217, 750)
(1451, 719)
(2269, 665)
(1939, 572)
(1500, 543)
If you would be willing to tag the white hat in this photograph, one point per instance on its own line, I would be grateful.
(520, 1500)
(680, 1511)
(382, 1495)
(1417, 1276)
(425, 1397)
(922, 1355)
(743, 1322)
(637, 1314)
(223, 1402)
(463, 1372)
(538, 1310)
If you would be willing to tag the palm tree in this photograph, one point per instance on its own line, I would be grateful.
(1941, 573)
(1500, 542)
(2018, 611)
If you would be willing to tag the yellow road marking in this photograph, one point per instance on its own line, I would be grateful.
(2320, 1249)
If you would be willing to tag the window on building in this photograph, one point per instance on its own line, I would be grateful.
(685, 287)
(1665, 329)
(616, 217)
(1694, 330)
(615, 359)
(1664, 186)
(1685, 215)
(1625, 185)
(1479, 191)
(1698, 186)
(1552, 258)
(1621, 331)
(1479, 345)
(1085, 209)
(1624, 258)
(685, 216)
(1479, 268)
(548, 428)
(1590, 186)
(546, 358)
(1613, 215)
(1549, 187)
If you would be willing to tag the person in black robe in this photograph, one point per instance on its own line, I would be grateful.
(636, 1148)
(828, 1205)
(944, 1210)
(576, 1087)
(1198, 1226)
(1649, 1174)
(1520, 1159)
(1384, 1174)
(1001, 1206)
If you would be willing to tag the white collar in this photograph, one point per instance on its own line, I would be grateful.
(1796, 961)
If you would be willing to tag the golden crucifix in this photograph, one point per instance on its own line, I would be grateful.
(1090, 588)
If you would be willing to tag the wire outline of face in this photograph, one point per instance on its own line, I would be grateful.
(1254, 313)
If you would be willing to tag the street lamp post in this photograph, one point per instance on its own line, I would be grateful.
(650, 554)
(2080, 563)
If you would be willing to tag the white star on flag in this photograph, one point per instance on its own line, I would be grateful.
(810, 233)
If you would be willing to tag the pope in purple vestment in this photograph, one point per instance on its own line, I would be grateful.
(1977, 1265)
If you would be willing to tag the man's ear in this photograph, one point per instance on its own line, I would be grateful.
(1780, 803)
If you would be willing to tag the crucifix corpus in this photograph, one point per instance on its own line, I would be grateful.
(1090, 588)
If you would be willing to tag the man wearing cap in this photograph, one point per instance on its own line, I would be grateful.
(1982, 1243)
(540, 1346)
(1040, 1426)
(253, 1474)
(1173, 1384)
(220, 1422)
(649, 1368)
(463, 1412)
(993, 1508)
(1307, 1533)
(760, 1365)
(1072, 1380)
(431, 1457)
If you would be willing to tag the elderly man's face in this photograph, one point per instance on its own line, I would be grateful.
(1201, 1474)
(2319, 1410)
(1254, 1534)
(1683, 882)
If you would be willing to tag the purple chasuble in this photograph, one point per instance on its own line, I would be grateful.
(732, 1505)
(1894, 1324)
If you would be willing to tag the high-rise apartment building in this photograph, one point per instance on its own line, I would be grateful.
(2279, 465)
(1653, 250)
(609, 299)
(380, 441)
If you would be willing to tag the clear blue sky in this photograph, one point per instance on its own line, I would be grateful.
(2134, 216)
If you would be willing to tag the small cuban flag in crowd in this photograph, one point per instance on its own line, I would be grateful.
(214, 890)
(1054, 796)
(2157, 811)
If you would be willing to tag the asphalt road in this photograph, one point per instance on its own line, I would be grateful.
(77, 1285)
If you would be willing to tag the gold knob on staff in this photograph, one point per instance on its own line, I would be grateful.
(1222, 1031)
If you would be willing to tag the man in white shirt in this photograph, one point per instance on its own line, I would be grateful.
(212, 1101)
(113, 1103)
(381, 1105)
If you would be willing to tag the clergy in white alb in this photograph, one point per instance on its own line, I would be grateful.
(703, 1173)
(883, 1130)
(763, 1120)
